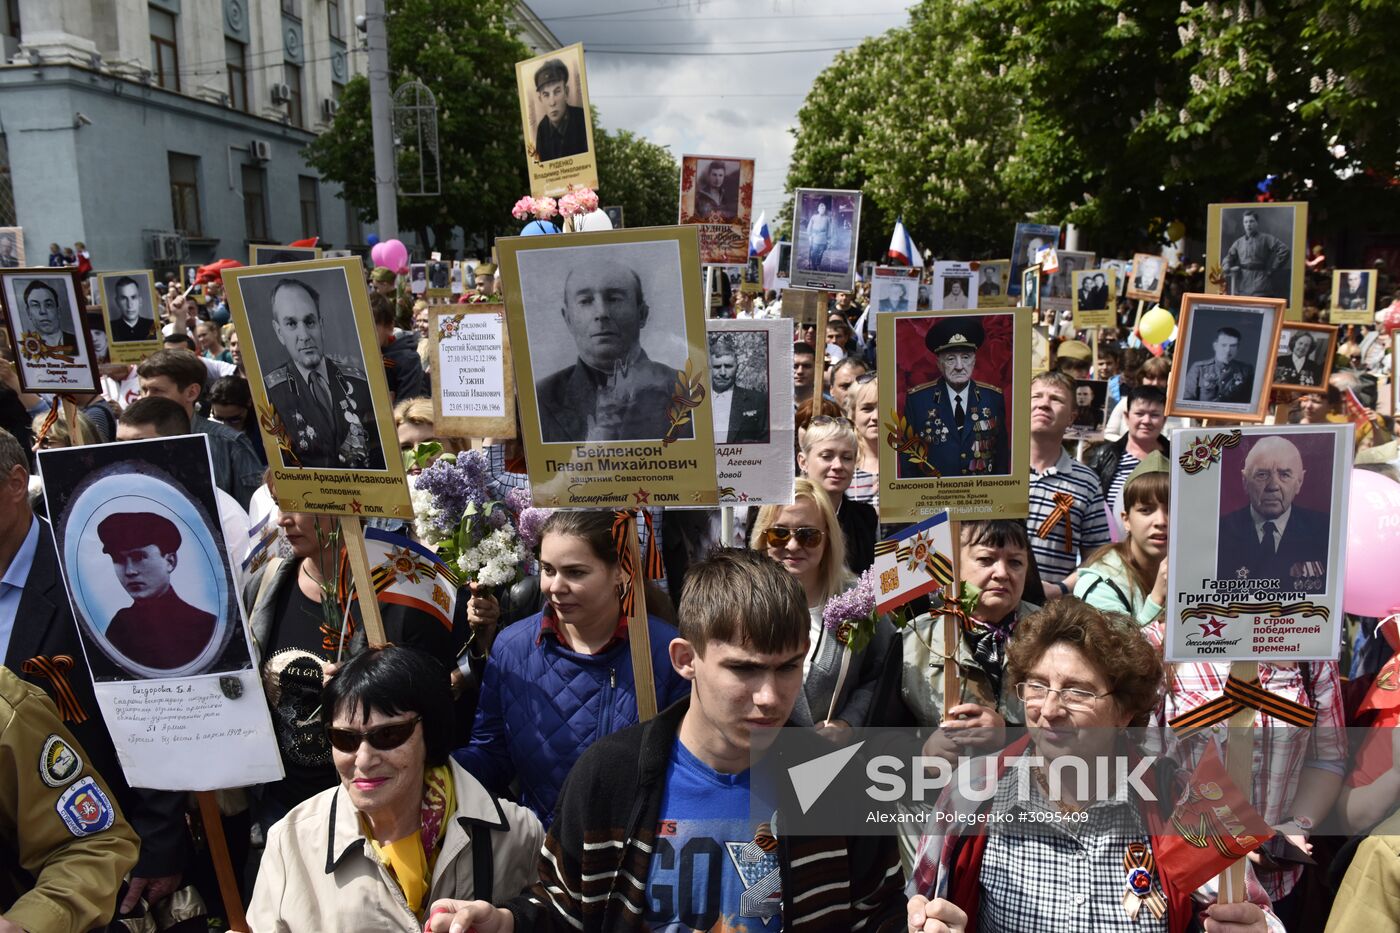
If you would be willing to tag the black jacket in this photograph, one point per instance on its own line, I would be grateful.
(1104, 459)
(403, 369)
(860, 525)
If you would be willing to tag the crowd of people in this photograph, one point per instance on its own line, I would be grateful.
(495, 774)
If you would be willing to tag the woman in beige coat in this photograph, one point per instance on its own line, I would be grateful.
(405, 827)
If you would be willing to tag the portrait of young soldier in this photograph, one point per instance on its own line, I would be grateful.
(1222, 378)
(561, 131)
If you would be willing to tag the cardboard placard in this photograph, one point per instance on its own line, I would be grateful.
(1095, 297)
(717, 196)
(473, 380)
(556, 121)
(47, 322)
(1260, 258)
(132, 321)
(1028, 240)
(954, 286)
(1223, 366)
(264, 254)
(826, 225)
(1353, 296)
(751, 383)
(894, 288)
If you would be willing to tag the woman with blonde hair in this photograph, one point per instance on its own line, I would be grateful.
(863, 412)
(838, 685)
(413, 420)
(828, 458)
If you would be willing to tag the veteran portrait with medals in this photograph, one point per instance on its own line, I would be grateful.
(1273, 538)
(962, 422)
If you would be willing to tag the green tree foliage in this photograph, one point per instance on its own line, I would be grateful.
(1116, 115)
(639, 175)
(465, 52)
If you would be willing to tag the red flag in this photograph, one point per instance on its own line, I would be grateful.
(308, 242)
(1365, 421)
(1211, 827)
(213, 270)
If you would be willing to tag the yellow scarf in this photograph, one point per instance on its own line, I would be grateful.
(410, 860)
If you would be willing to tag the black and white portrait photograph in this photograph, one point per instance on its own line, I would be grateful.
(1353, 290)
(11, 247)
(1090, 401)
(128, 298)
(710, 189)
(991, 279)
(310, 359)
(739, 386)
(615, 216)
(1257, 250)
(1030, 287)
(1305, 353)
(607, 339)
(895, 288)
(826, 224)
(1095, 291)
(1057, 291)
(418, 278)
(1029, 240)
(784, 249)
(262, 254)
(954, 286)
(925, 298)
(45, 316)
(1224, 362)
(1148, 277)
(138, 535)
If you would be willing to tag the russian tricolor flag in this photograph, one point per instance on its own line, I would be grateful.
(902, 248)
(760, 240)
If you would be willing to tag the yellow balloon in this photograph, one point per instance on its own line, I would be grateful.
(1176, 230)
(1156, 325)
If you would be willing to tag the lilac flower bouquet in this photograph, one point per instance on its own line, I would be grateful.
(455, 515)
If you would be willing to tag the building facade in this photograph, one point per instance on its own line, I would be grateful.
(161, 132)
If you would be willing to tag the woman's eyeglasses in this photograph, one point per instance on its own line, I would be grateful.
(806, 536)
(865, 377)
(1071, 698)
(382, 738)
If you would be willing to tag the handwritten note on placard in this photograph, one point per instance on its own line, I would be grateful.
(474, 388)
(200, 733)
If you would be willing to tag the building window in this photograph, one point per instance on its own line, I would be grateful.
(337, 30)
(165, 57)
(236, 58)
(184, 194)
(308, 189)
(12, 11)
(291, 8)
(291, 74)
(255, 203)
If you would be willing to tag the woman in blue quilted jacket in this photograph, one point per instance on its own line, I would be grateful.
(562, 679)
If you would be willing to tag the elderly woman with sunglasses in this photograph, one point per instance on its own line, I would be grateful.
(404, 827)
(1074, 855)
(838, 685)
(828, 459)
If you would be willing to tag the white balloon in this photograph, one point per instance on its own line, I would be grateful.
(588, 223)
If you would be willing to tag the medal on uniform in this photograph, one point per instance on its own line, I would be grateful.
(1139, 886)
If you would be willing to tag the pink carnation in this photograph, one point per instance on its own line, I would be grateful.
(546, 208)
(587, 199)
(523, 208)
(568, 205)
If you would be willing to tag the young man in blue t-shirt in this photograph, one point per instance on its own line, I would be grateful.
(654, 829)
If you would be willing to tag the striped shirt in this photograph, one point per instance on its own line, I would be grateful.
(865, 487)
(1120, 478)
(1087, 518)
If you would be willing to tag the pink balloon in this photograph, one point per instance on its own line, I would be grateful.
(393, 254)
(376, 255)
(1372, 587)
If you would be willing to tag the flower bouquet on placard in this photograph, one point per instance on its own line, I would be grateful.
(573, 205)
(476, 534)
(850, 617)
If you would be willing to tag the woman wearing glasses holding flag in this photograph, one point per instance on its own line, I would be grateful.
(404, 826)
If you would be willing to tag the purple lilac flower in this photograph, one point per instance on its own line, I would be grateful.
(531, 523)
(854, 605)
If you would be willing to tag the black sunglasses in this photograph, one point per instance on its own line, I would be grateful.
(382, 738)
(778, 535)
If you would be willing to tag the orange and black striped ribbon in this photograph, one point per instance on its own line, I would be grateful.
(56, 669)
(1063, 503)
(1239, 694)
(652, 566)
(624, 559)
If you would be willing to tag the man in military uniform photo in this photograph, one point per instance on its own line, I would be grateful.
(324, 403)
(961, 422)
(613, 391)
(1222, 378)
(561, 131)
(1271, 538)
(1252, 260)
(158, 629)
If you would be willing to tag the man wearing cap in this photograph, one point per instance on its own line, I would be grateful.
(159, 629)
(1073, 358)
(1221, 378)
(561, 131)
(740, 414)
(485, 285)
(961, 422)
(1271, 538)
(1252, 260)
(712, 200)
(613, 391)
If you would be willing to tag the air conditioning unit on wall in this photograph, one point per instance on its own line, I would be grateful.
(329, 108)
(260, 150)
(281, 93)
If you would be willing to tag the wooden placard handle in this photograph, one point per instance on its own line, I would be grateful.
(223, 864)
(638, 631)
(1239, 764)
(70, 417)
(352, 535)
(952, 627)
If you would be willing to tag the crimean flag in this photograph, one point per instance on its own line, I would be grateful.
(409, 574)
(916, 561)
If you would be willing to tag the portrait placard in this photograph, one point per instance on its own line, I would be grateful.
(1029, 240)
(993, 278)
(48, 323)
(807, 310)
(1120, 270)
(1095, 297)
(826, 225)
(1263, 582)
(1030, 287)
(556, 122)
(1258, 251)
(956, 414)
(473, 382)
(1305, 355)
(308, 343)
(264, 254)
(143, 558)
(615, 216)
(894, 288)
(418, 278)
(783, 278)
(11, 247)
(1148, 276)
(954, 286)
(1040, 348)
(1090, 409)
(717, 196)
(133, 324)
(188, 273)
(1353, 296)
(611, 367)
(1057, 291)
(1223, 367)
(751, 389)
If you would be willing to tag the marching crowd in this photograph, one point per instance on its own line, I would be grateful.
(494, 775)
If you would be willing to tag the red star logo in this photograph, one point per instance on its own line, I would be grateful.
(642, 496)
(1212, 629)
(355, 506)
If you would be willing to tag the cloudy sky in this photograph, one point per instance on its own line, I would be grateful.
(714, 77)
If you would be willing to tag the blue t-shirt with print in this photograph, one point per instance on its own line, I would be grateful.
(708, 872)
